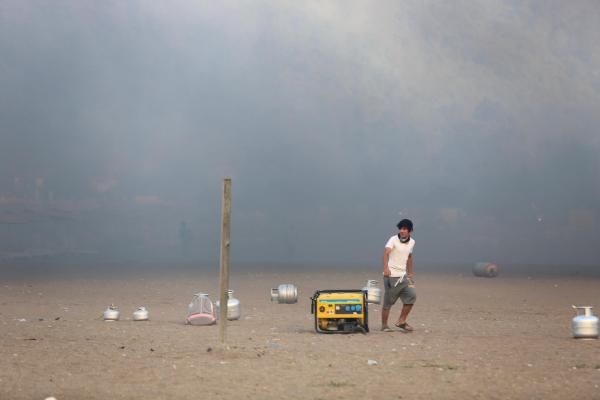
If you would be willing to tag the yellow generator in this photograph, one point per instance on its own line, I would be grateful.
(340, 311)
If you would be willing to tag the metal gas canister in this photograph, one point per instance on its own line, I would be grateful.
(373, 292)
(111, 313)
(485, 269)
(201, 310)
(233, 307)
(141, 314)
(285, 294)
(584, 326)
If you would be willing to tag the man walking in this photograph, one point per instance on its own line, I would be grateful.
(398, 276)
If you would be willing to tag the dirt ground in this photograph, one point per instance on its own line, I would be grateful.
(502, 338)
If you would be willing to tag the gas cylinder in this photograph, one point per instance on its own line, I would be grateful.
(584, 326)
(111, 313)
(485, 269)
(201, 310)
(285, 294)
(141, 314)
(233, 307)
(373, 292)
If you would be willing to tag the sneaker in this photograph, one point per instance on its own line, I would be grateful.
(385, 328)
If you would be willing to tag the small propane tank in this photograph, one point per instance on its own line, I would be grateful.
(285, 294)
(111, 313)
(584, 326)
(373, 292)
(485, 269)
(201, 310)
(233, 307)
(141, 314)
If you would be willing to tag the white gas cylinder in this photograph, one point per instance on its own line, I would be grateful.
(584, 326)
(111, 313)
(373, 292)
(141, 314)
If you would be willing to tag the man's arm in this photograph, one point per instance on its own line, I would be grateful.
(386, 258)
(409, 268)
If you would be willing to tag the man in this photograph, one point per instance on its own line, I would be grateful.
(398, 276)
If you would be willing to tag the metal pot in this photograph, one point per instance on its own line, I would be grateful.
(584, 326)
(141, 314)
(485, 269)
(285, 294)
(111, 313)
(233, 307)
(373, 292)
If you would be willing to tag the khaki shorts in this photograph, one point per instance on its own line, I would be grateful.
(401, 291)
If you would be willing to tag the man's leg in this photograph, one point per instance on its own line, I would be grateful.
(408, 296)
(385, 314)
(387, 303)
(404, 313)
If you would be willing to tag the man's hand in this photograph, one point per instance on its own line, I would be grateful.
(386, 271)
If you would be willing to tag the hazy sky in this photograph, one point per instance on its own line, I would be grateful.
(478, 120)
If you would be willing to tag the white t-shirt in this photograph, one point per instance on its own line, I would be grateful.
(399, 255)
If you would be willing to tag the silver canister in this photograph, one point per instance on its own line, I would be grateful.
(233, 307)
(111, 313)
(584, 326)
(141, 314)
(285, 294)
(485, 269)
(373, 292)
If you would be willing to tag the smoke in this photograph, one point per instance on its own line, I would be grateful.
(334, 119)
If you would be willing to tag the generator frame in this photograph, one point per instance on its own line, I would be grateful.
(364, 328)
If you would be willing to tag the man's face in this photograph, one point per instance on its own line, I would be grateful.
(404, 232)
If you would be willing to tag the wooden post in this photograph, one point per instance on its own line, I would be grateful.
(224, 259)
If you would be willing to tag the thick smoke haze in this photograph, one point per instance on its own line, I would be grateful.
(477, 120)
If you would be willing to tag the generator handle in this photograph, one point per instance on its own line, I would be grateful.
(313, 301)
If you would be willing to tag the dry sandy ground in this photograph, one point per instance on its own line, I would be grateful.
(502, 338)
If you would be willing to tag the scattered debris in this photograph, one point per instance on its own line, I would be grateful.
(371, 362)
(208, 349)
